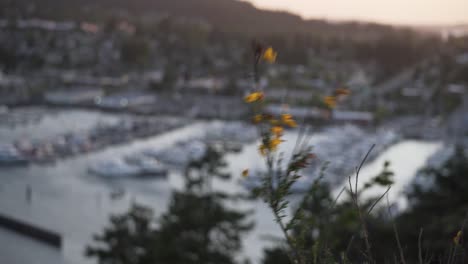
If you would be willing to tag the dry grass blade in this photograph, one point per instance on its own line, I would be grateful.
(351, 192)
(420, 247)
(337, 197)
(329, 212)
(354, 195)
(395, 231)
(358, 170)
(378, 200)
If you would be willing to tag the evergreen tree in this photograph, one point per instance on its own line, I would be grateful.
(128, 239)
(438, 206)
(197, 228)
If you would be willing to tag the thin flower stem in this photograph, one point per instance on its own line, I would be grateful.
(296, 258)
(354, 195)
(274, 205)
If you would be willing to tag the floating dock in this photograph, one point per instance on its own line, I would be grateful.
(38, 233)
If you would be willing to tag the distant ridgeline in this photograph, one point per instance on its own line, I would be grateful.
(231, 16)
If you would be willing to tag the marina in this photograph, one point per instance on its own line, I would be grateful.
(50, 149)
(226, 136)
(65, 197)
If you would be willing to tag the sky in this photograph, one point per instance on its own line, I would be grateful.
(398, 12)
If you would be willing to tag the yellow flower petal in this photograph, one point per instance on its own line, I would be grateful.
(288, 120)
(285, 117)
(257, 118)
(274, 143)
(277, 130)
(330, 101)
(270, 55)
(253, 97)
(290, 123)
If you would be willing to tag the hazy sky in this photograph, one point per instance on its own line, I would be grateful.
(413, 12)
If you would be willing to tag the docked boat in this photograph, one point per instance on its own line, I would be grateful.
(196, 150)
(233, 147)
(180, 154)
(114, 169)
(148, 166)
(9, 155)
(151, 152)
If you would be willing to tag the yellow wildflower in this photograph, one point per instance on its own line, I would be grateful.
(253, 97)
(290, 123)
(288, 120)
(330, 101)
(273, 144)
(245, 173)
(457, 238)
(277, 130)
(342, 91)
(257, 118)
(262, 149)
(270, 55)
(286, 116)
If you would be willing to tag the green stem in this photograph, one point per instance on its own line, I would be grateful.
(273, 205)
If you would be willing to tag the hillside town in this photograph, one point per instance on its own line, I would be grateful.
(84, 64)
